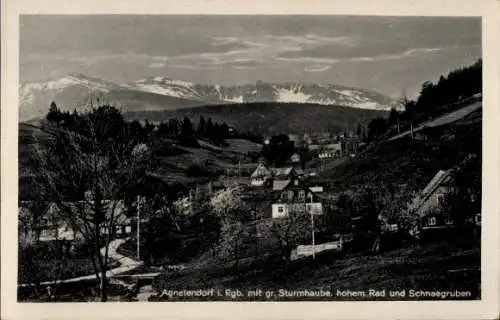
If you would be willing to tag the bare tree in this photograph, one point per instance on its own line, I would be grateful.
(86, 174)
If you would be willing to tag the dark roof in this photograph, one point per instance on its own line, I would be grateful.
(53, 210)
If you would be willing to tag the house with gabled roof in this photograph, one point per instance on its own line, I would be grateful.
(429, 203)
(282, 176)
(53, 226)
(296, 196)
(260, 175)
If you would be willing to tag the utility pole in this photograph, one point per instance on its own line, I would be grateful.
(138, 227)
(239, 170)
(411, 129)
(312, 227)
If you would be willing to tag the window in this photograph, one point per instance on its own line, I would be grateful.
(281, 209)
(302, 194)
(290, 194)
(440, 199)
(431, 221)
(296, 182)
(448, 220)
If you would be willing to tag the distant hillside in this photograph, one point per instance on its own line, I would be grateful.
(272, 118)
(403, 166)
(177, 166)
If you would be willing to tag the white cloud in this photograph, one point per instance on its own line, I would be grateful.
(160, 58)
(308, 60)
(408, 53)
(316, 68)
(244, 67)
(221, 41)
(156, 65)
(262, 49)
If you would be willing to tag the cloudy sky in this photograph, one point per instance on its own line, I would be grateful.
(387, 54)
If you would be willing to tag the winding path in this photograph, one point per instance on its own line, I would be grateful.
(126, 264)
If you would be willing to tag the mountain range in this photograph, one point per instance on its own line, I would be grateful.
(77, 91)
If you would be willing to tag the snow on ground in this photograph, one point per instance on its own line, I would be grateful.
(347, 93)
(158, 89)
(285, 95)
(367, 105)
(238, 99)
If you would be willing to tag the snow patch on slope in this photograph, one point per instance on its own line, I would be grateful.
(154, 88)
(285, 95)
(238, 99)
(368, 105)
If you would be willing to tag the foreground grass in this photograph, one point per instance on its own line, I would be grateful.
(435, 267)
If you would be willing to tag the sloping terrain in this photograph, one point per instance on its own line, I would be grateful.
(403, 166)
(440, 267)
(177, 164)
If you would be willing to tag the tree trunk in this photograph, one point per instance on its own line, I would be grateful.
(103, 286)
(376, 245)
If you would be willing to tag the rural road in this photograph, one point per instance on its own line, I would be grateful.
(126, 264)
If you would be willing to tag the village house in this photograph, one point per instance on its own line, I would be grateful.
(350, 145)
(429, 204)
(296, 197)
(260, 176)
(316, 189)
(296, 140)
(295, 158)
(282, 176)
(307, 139)
(51, 225)
(314, 147)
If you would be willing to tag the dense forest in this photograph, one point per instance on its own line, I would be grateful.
(273, 118)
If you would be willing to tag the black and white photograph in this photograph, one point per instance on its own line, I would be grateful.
(249, 158)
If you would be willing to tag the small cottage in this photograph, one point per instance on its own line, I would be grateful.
(260, 176)
(296, 197)
(52, 224)
(295, 158)
(429, 205)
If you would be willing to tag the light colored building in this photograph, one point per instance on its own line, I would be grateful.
(295, 158)
(260, 176)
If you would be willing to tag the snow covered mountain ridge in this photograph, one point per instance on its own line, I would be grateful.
(325, 94)
(157, 93)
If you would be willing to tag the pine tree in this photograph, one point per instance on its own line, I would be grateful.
(54, 114)
(201, 127)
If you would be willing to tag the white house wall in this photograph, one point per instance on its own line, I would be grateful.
(315, 208)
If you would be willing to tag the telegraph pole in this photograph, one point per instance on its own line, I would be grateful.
(138, 227)
(312, 227)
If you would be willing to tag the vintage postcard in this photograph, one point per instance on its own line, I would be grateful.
(315, 159)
